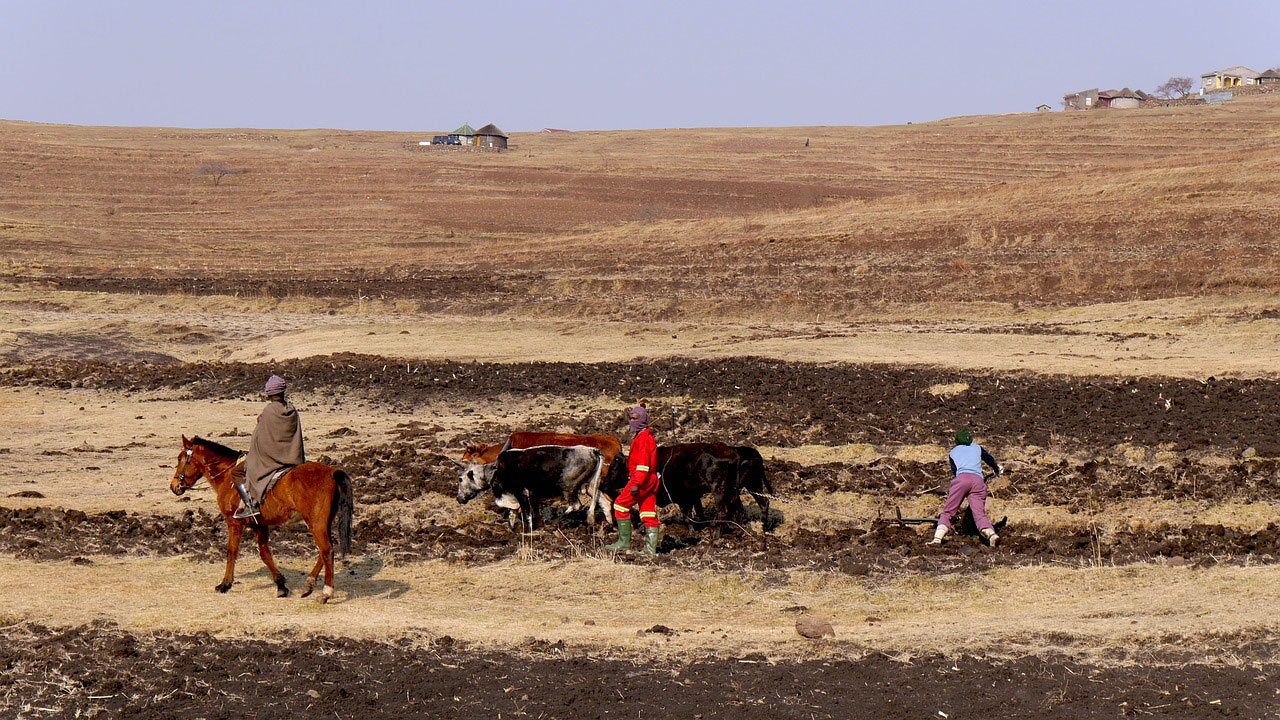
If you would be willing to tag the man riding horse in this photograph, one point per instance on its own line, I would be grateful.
(276, 445)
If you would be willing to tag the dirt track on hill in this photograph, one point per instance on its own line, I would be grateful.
(102, 671)
(779, 403)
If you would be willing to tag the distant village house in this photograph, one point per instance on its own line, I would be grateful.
(1095, 98)
(465, 135)
(1228, 78)
(1043, 108)
(1083, 100)
(1215, 86)
(1122, 99)
(488, 137)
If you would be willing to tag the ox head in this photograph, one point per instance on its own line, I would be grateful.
(473, 479)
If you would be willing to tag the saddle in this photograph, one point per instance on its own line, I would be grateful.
(266, 484)
(271, 481)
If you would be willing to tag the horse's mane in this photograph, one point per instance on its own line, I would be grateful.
(217, 448)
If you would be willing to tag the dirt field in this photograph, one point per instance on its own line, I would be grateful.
(159, 676)
(1093, 293)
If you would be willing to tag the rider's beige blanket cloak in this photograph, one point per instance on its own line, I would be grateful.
(277, 443)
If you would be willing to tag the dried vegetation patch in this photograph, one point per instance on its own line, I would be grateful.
(1064, 208)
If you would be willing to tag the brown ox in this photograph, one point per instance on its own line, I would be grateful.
(608, 445)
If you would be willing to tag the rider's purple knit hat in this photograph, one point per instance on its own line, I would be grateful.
(275, 385)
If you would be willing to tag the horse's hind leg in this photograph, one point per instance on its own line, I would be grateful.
(234, 528)
(311, 578)
(264, 550)
(326, 559)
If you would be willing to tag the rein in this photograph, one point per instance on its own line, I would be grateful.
(182, 473)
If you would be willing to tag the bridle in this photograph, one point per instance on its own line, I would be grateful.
(182, 471)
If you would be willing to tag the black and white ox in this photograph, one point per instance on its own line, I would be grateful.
(521, 479)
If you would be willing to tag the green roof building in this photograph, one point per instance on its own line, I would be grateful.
(466, 134)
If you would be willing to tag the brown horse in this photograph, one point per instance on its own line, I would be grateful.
(319, 493)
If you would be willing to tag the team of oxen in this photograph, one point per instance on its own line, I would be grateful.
(587, 471)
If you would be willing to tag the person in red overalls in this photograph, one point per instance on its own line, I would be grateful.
(642, 486)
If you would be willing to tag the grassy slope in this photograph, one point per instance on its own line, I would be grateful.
(1030, 208)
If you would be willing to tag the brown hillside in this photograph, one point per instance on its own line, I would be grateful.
(1061, 207)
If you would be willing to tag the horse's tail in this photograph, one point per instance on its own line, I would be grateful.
(593, 488)
(342, 510)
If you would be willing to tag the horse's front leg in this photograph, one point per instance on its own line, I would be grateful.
(234, 529)
(264, 550)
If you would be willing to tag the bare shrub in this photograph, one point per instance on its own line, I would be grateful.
(1174, 87)
(217, 171)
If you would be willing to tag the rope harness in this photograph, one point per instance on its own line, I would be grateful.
(186, 460)
(810, 506)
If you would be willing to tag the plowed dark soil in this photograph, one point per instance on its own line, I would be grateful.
(1088, 485)
(402, 472)
(434, 291)
(785, 403)
(101, 671)
(55, 534)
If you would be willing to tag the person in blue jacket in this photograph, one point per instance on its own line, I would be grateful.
(966, 460)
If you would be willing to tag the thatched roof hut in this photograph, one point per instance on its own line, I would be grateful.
(490, 136)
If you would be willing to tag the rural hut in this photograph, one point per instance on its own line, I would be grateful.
(465, 135)
(1270, 77)
(1227, 78)
(1043, 108)
(1082, 100)
(1119, 99)
(490, 136)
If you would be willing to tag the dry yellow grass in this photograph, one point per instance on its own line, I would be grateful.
(1032, 209)
(1002, 612)
(1209, 336)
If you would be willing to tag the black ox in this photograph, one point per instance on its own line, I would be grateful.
(691, 470)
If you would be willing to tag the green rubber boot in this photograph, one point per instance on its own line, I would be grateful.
(651, 538)
(624, 536)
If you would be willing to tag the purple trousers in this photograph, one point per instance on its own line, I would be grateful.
(967, 485)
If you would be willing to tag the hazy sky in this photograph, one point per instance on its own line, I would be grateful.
(597, 64)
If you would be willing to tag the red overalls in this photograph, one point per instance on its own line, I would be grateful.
(642, 488)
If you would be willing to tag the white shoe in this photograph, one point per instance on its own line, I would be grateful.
(991, 537)
(938, 535)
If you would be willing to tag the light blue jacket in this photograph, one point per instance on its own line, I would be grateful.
(969, 459)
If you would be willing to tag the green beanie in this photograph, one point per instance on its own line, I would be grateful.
(964, 437)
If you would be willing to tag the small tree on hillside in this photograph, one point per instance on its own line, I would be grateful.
(1174, 87)
(217, 171)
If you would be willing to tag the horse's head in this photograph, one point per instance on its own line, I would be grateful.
(189, 469)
